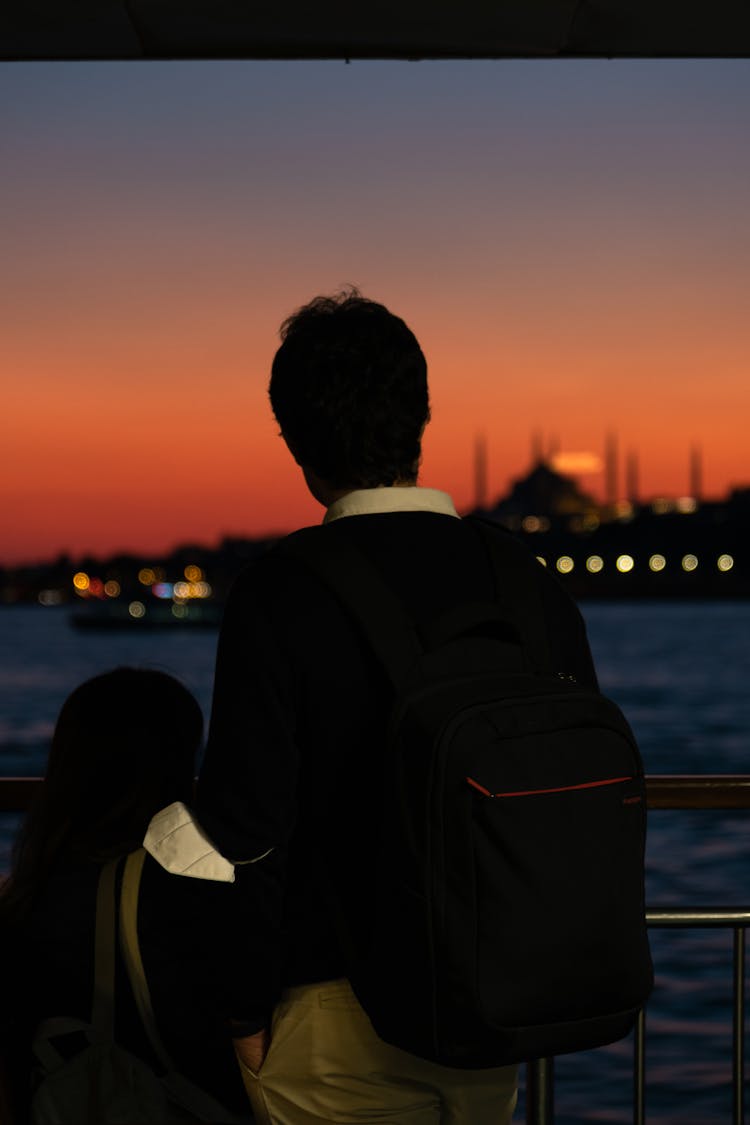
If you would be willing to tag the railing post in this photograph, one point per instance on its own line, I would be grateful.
(639, 1069)
(540, 1094)
(738, 1029)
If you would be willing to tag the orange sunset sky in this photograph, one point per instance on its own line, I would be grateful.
(569, 240)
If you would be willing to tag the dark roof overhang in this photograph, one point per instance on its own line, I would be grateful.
(397, 29)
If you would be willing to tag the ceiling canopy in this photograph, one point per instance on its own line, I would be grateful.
(398, 29)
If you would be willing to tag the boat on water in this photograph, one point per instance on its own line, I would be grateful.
(146, 614)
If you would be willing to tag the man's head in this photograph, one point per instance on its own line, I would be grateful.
(349, 391)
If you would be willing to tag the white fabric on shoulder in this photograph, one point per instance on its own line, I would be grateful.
(177, 842)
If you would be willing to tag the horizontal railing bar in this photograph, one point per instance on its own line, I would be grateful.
(699, 916)
(663, 791)
(16, 793)
(698, 791)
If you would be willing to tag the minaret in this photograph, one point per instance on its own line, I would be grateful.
(696, 472)
(631, 477)
(480, 471)
(537, 448)
(610, 469)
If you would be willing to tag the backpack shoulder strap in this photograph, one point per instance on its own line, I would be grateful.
(513, 570)
(357, 584)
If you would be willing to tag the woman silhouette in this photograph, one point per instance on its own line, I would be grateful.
(124, 747)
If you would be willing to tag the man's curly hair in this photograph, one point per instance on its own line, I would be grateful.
(349, 391)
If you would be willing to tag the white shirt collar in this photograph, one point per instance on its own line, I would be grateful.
(410, 498)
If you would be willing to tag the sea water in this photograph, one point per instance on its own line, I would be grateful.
(680, 672)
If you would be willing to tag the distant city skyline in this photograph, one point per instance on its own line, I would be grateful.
(610, 474)
(608, 496)
(567, 238)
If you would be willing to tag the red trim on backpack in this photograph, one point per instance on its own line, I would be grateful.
(561, 789)
(481, 788)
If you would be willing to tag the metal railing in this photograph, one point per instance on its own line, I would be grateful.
(663, 791)
(540, 1073)
(693, 791)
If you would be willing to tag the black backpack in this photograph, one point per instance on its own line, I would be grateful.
(508, 915)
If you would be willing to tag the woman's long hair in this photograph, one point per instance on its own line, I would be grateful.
(124, 746)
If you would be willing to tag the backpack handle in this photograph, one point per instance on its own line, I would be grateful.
(501, 622)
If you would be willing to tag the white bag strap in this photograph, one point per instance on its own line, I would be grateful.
(131, 952)
(185, 1092)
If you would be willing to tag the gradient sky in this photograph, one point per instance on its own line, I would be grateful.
(569, 240)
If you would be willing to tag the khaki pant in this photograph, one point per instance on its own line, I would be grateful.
(326, 1065)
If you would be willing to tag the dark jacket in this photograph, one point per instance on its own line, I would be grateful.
(297, 729)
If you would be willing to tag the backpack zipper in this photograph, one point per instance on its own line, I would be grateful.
(560, 789)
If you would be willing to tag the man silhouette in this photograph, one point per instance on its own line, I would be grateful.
(289, 789)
